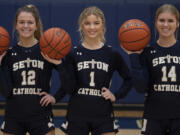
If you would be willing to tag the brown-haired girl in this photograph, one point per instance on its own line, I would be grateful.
(30, 75)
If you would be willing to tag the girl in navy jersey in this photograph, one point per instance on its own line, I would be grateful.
(156, 71)
(93, 64)
(30, 75)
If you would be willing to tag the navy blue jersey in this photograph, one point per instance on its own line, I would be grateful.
(30, 74)
(93, 69)
(158, 72)
(5, 82)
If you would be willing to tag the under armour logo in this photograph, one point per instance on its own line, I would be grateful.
(153, 51)
(79, 53)
(14, 54)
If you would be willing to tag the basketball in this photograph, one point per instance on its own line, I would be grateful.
(134, 35)
(55, 43)
(4, 40)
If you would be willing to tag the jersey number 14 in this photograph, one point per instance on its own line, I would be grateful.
(171, 74)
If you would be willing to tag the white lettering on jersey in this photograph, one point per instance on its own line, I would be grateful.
(166, 87)
(27, 64)
(92, 65)
(166, 59)
(88, 91)
(26, 91)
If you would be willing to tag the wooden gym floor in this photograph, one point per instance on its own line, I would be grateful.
(121, 132)
(126, 111)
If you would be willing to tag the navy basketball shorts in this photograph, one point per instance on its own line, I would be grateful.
(33, 127)
(64, 126)
(96, 127)
(161, 127)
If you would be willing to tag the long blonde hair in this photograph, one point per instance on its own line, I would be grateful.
(168, 8)
(93, 10)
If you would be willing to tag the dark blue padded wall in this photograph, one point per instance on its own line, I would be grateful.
(65, 13)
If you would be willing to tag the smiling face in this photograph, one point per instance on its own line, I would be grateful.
(92, 27)
(26, 25)
(166, 24)
(92, 24)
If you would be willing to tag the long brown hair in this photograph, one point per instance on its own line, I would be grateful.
(35, 13)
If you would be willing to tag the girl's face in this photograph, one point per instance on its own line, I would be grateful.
(26, 25)
(92, 27)
(166, 24)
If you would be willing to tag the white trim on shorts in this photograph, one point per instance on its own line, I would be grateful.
(144, 126)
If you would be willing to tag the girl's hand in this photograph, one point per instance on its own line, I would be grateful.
(131, 52)
(107, 94)
(54, 61)
(1, 57)
(46, 99)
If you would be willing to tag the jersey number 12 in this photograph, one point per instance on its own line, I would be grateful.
(28, 77)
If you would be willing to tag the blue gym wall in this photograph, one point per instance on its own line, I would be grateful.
(65, 13)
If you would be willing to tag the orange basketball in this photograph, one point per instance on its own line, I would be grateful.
(4, 40)
(134, 35)
(55, 42)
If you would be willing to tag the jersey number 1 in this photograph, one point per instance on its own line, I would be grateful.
(92, 83)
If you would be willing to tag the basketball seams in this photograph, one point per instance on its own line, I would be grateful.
(59, 44)
(54, 48)
(122, 32)
(134, 35)
(61, 39)
(65, 47)
(4, 40)
(45, 39)
(4, 47)
(59, 52)
(67, 44)
(136, 40)
(4, 35)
